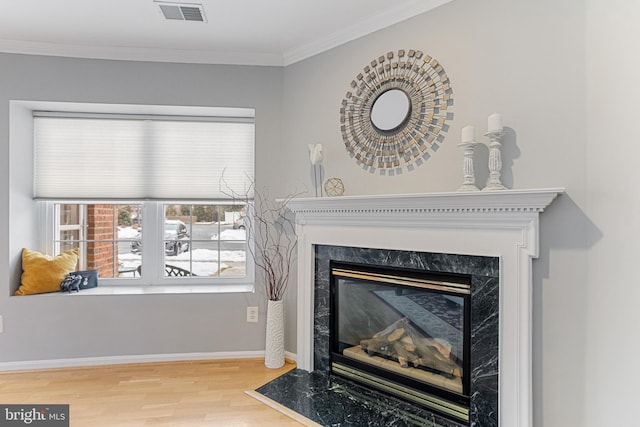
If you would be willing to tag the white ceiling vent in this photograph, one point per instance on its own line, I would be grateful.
(182, 11)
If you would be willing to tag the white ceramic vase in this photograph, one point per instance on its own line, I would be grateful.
(274, 348)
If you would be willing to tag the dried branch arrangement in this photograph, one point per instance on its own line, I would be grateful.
(272, 228)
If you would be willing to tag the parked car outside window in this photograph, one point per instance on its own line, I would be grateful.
(176, 238)
(239, 223)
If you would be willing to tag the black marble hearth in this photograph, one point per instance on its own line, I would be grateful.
(332, 401)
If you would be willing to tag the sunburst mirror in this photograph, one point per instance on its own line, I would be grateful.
(396, 112)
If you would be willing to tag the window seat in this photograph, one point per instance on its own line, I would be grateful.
(156, 289)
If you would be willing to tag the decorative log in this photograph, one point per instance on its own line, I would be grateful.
(446, 370)
(431, 352)
(408, 344)
(375, 345)
(396, 335)
(403, 342)
(442, 346)
(402, 354)
(395, 325)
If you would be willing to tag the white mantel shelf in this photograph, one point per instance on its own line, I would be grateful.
(500, 224)
(534, 200)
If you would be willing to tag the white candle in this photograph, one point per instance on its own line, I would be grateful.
(494, 122)
(469, 134)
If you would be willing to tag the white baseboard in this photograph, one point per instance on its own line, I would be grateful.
(120, 360)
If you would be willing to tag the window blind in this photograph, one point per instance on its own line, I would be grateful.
(142, 158)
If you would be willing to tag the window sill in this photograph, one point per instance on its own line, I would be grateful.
(159, 289)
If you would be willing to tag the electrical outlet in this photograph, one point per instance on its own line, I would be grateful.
(252, 314)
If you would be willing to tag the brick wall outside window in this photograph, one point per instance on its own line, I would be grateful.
(101, 222)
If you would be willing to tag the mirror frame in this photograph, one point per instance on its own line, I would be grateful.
(411, 143)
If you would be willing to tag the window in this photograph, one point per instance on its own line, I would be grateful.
(198, 240)
(147, 200)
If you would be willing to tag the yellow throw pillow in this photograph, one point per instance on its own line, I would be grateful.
(43, 273)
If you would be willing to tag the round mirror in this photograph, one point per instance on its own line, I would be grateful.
(390, 110)
(395, 112)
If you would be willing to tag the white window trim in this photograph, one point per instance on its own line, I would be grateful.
(81, 227)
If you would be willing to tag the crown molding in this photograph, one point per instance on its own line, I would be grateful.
(361, 28)
(123, 53)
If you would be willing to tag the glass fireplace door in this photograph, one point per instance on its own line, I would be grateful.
(405, 326)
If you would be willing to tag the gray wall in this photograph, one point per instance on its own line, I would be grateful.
(612, 292)
(55, 327)
(521, 58)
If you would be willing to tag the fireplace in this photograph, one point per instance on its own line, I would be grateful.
(403, 331)
(494, 234)
(472, 399)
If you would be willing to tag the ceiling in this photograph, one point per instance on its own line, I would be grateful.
(252, 32)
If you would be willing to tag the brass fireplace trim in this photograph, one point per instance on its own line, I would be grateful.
(457, 288)
(458, 411)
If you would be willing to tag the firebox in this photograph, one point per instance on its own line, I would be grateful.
(403, 331)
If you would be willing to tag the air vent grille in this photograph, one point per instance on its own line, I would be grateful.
(191, 13)
(182, 12)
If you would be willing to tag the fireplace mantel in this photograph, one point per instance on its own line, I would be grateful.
(501, 224)
(341, 209)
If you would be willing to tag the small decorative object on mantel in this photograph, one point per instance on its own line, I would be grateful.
(396, 112)
(468, 144)
(316, 156)
(495, 134)
(334, 187)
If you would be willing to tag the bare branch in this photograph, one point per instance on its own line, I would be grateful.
(269, 224)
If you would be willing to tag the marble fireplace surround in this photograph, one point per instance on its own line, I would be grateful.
(501, 224)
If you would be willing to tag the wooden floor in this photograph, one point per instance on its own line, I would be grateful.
(202, 393)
